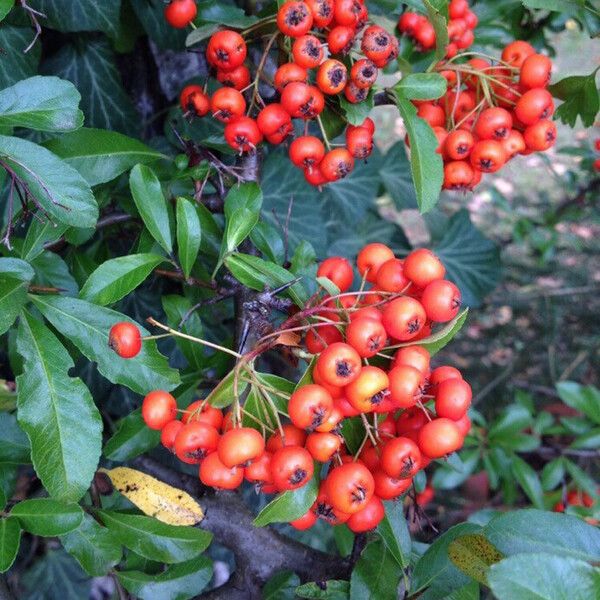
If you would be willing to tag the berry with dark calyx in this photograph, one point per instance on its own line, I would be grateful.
(359, 142)
(288, 73)
(125, 339)
(291, 468)
(364, 73)
(243, 134)
(307, 151)
(238, 78)
(227, 104)
(332, 76)
(337, 164)
(322, 12)
(294, 19)
(194, 100)
(308, 51)
(194, 441)
(226, 50)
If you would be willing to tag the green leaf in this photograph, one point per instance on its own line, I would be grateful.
(448, 478)
(10, 539)
(335, 589)
(589, 440)
(552, 474)
(376, 574)
(155, 540)
(581, 478)
(474, 555)
(396, 176)
(40, 233)
(151, 204)
(554, 5)
(41, 103)
(356, 113)
(14, 445)
(88, 325)
(189, 235)
(394, 532)
(17, 65)
(152, 17)
(89, 62)
(94, 547)
(116, 278)
(281, 586)
(47, 517)
(57, 413)
(239, 225)
(52, 270)
(224, 393)
(99, 155)
(245, 195)
(581, 99)
(435, 342)
(59, 188)
(426, 164)
(435, 568)
(13, 296)
(353, 432)
(132, 438)
(17, 269)
(537, 576)
(528, 479)
(84, 15)
(289, 506)
(422, 86)
(200, 34)
(5, 7)
(260, 274)
(533, 531)
(584, 398)
(472, 261)
(177, 582)
(440, 25)
(221, 12)
(513, 419)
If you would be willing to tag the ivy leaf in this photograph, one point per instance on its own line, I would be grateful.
(17, 65)
(288, 506)
(100, 155)
(376, 574)
(47, 517)
(152, 17)
(10, 539)
(89, 62)
(59, 188)
(87, 326)
(57, 413)
(116, 278)
(581, 99)
(472, 261)
(155, 540)
(94, 547)
(84, 15)
(426, 164)
(41, 103)
(184, 580)
(189, 235)
(151, 204)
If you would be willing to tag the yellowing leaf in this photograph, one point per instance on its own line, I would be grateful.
(155, 498)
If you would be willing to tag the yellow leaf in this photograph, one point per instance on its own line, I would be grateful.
(155, 498)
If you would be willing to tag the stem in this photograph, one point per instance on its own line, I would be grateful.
(323, 132)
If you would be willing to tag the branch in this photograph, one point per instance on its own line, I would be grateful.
(260, 553)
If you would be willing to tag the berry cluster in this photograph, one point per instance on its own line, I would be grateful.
(491, 113)
(304, 83)
(367, 365)
(461, 23)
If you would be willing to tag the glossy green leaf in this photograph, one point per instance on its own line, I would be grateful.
(189, 235)
(151, 204)
(281, 586)
(94, 547)
(448, 478)
(581, 99)
(132, 438)
(5, 7)
(334, 589)
(528, 479)
(51, 270)
(116, 278)
(41, 103)
(152, 17)
(376, 574)
(40, 233)
(440, 25)
(394, 532)
(473, 555)
(177, 582)
(289, 506)
(88, 325)
(512, 419)
(426, 164)
(154, 540)
(47, 517)
(221, 12)
(533, 531)
(14, 444)
(422, 86)
(10, 539)
(583, 480)
(356, 113)
(554, 5)
(57, 413)
(396, 176)
(584, 398)
(223, 394)
(552, 474)
(59, 188)
(13, 296)
(100, 155)
(177, 308)
(551, 577)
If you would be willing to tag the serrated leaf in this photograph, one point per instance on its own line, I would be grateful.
(288, 506)
(581, 99)
(376, 574)
(426, 164)
(116, 278)
(10, 539)
(100, 155)
(474, 555)
(177, 582)
(94, 547)
(151, 204)
(88, 325)
(59, 188)
(535, 576)
(89, 62)
(446, 334)
(155, 540)
(41, 103)
(155, 498)
(47, 517)
(132, 438)
(189, 235)
(57, 413)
